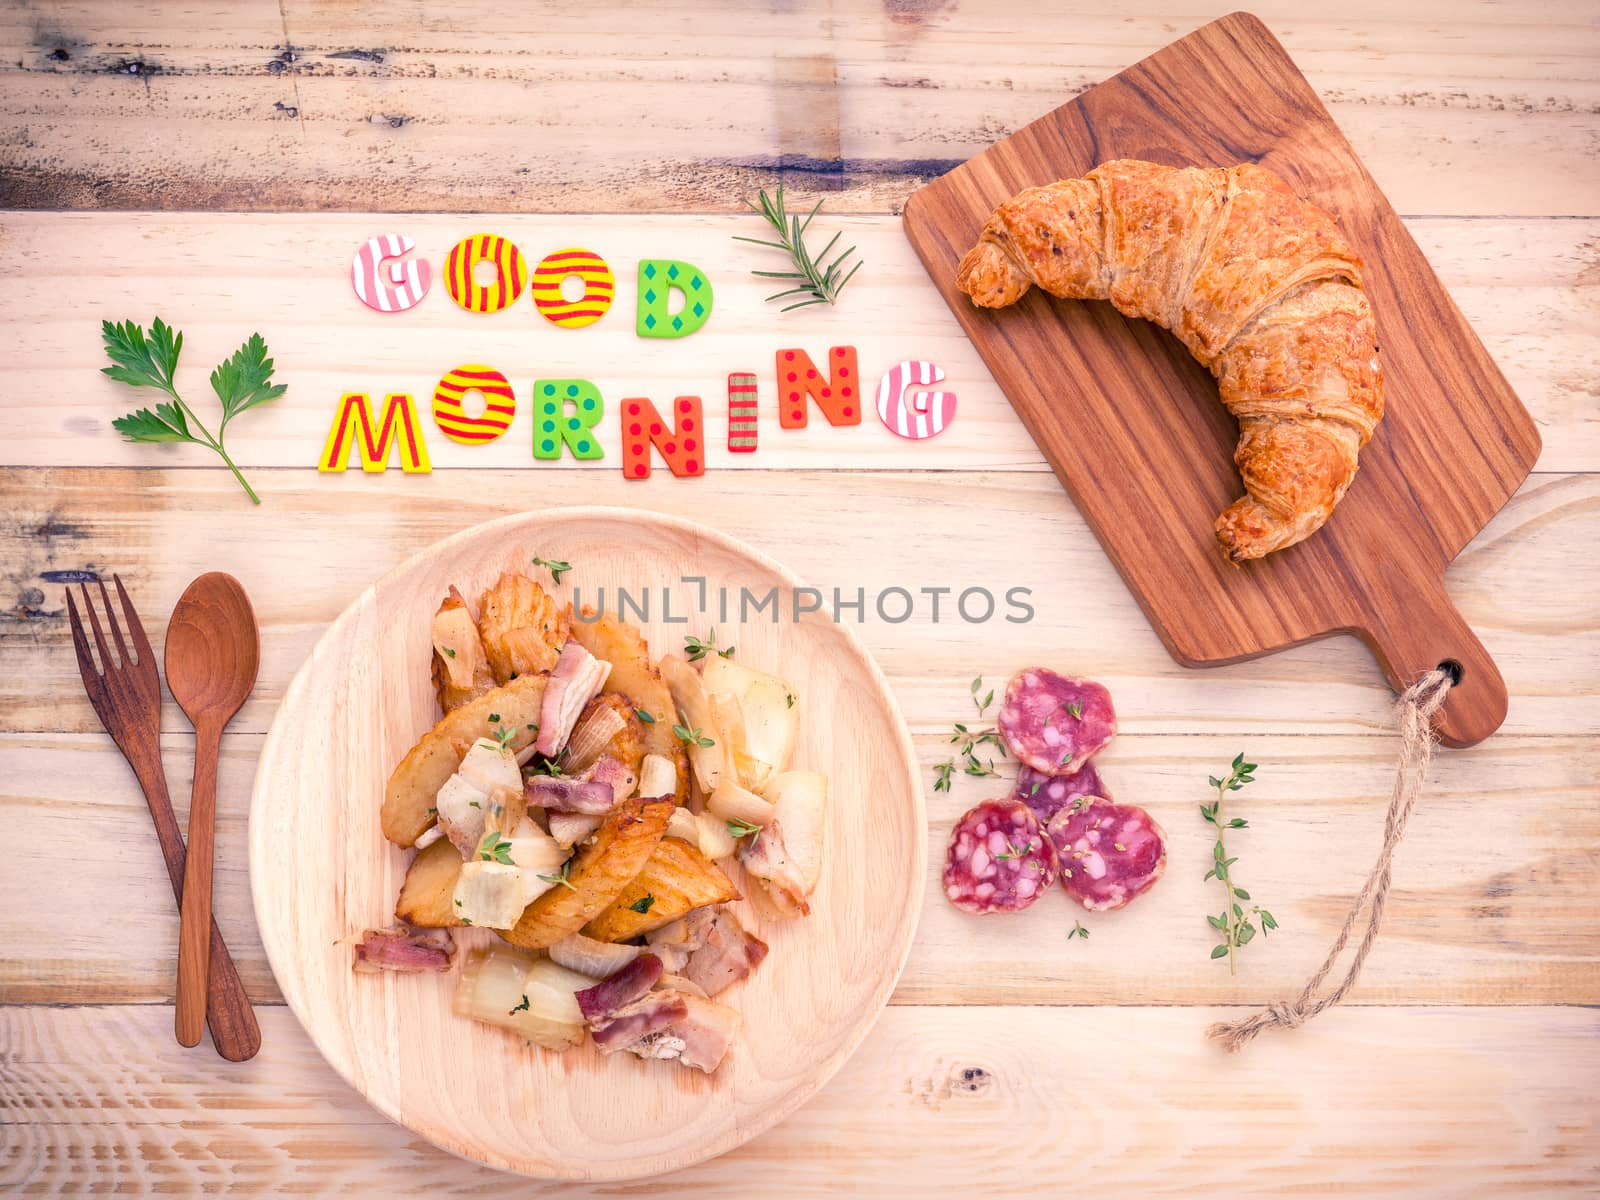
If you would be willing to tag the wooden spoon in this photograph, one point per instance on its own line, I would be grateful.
(213, 651)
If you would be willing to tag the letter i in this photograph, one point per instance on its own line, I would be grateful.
(742, 412)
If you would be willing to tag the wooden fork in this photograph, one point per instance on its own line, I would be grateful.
(126, 694)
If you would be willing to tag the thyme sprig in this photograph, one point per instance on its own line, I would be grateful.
(738, 828)
(969, 742)
(555, 566)
(1235, 927)
(815, 276)
(695, 649)
(692, 737)
(561, 879)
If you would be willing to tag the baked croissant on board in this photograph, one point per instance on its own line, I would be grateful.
(1256, 282)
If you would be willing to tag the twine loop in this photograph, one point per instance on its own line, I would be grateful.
(1415, 708)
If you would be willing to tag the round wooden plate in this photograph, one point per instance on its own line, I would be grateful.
(321, 871)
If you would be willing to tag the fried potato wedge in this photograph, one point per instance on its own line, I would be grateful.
(678, 877)
(633, 675)
(409, 796)
(598, 872)
(522, 628)
(427, 895)
(460, 668)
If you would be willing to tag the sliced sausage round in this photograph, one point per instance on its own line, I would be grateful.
(1054, 723)
(1109, 853)
(1047, 795)
(1000, 859)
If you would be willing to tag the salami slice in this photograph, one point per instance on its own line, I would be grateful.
(1109, 853)
(1049, 794)
(999, 860)
(1053, 723)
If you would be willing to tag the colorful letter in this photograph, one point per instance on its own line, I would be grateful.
(511, 273)
(742, 413)
(551, 427)
(681, 446)
(837, 398)
(597, 287)
(411, 279)
(352, 427)
(499, 404)
(658, 278)
(908, 411)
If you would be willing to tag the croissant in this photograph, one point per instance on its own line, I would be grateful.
(1256, 282)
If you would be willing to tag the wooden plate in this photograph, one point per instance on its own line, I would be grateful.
(320, 870)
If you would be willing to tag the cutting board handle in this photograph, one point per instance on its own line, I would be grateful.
(1416, 629)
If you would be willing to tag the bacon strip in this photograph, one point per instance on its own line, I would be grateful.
(401, 949)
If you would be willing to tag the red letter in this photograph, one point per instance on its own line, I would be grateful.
(839, 398)
(682, 446)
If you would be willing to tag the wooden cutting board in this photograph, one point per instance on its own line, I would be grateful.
(1133, 427)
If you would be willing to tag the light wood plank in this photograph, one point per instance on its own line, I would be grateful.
(1524, 285)
(539, 107)
(316, 541)
(986, 1101)
(1492, 901)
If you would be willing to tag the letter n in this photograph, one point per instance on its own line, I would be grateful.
(838, 396)
(682, 446)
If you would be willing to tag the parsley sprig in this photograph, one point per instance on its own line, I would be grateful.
(151, 360)
(1232, 924)
(814, 277)
(695, 649)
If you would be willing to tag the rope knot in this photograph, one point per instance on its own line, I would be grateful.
(1286, 1013)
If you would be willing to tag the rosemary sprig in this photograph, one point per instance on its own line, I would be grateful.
(1232, 924)
(814, 276)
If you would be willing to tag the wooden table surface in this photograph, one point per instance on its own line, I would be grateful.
(1011, 1059)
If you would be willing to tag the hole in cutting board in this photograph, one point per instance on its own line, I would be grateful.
(1453, 669)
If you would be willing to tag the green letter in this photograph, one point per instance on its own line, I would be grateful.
(658, 277)
(551, 428)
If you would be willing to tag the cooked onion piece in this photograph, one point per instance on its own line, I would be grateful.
(707, 752)
(598, 960)
(591, 737)
(771, 709)
(800, 806)
(739, 805)
(503, 987)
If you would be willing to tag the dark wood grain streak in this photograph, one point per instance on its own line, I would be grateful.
(1132, 426)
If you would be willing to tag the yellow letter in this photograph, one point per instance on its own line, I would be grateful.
(352, 427)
